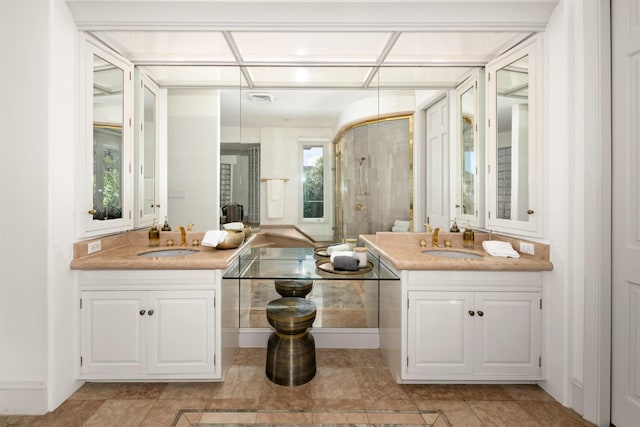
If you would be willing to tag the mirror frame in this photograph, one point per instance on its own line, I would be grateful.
(90, 226)
(533, 225)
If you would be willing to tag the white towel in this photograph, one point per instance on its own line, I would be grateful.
(213, 237)
(340, 253)
(275, 202)
(401, 224)
(500, 248)
(237, 226)
(398, 228)
(339, 247)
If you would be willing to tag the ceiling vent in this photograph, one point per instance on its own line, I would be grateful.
(261, 97)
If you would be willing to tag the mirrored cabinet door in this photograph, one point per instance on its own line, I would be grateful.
(146, 150)
(513, 150)
(108, 136)
(470, 151)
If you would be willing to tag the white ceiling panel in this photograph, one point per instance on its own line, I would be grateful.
(169, 46)
(300, 47)
(420, 77)
(195, 75)
(284, 77)
(471, 48)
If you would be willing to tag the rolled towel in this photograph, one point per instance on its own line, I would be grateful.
(213, 237)
(499, 248)
(401, 224)
(237, 226)
(340, 253)
(345, 263)
(340, 247)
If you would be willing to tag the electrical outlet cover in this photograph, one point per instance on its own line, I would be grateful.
(94, 246)
(527, 248)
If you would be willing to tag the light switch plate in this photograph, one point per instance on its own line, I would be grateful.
(94, 246)
(527, 248)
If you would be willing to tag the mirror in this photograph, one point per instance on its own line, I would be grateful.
(276, 120)
(468, 148)
(108, 119)
(512, 143)
(149, 147)
(470, 151)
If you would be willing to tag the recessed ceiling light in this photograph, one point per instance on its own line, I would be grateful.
(261, 97)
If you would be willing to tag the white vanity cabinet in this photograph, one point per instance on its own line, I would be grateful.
(149, 325)
(464, 326)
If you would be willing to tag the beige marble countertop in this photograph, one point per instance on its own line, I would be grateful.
(120, 252)
(404, 252)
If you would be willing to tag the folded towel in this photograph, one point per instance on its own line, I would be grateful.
(237, 226)
(345, 263)
(401, 223)
(213, 237)
(499, 248)
(398, 228)
(340, 247)
(340, 253)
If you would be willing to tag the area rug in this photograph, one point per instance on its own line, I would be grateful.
(264, 418)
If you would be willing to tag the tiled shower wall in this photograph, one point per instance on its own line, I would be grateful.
(374, 177)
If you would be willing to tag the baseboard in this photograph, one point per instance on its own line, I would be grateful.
(23, 398)
(324, 338)
(577, 398)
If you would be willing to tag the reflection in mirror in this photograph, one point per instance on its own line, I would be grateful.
(149, 166)
(240, 183)
(469, 156)
(108, 84)
(512, 164)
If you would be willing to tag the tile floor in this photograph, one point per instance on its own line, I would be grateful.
(351, 387)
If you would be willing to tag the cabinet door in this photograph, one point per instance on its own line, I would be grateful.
(513, 151)
(440, 333)
(147, 200)
(112, 330)
(181, 332)
(508, 332)
(108, 179)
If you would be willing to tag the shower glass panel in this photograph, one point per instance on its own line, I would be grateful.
(373, 176)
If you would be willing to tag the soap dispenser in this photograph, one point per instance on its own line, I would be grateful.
(166, 226)
(468, 237)
(154, 235)
(454, 227)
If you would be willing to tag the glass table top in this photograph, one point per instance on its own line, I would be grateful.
(299, 263)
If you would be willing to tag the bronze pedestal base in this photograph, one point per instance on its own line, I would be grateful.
(291, 351)
(293, 288)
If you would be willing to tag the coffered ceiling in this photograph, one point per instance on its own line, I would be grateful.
(294, 59)
(309, 55)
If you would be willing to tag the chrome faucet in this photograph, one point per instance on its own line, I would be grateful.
(434, 239)
(183, 236)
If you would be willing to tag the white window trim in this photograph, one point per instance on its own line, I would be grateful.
(306, 142)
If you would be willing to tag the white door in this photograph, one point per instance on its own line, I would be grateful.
(625, 374)
(437, 164)
(508, 329)
(111, 332)
(181, 332)
(440, 333)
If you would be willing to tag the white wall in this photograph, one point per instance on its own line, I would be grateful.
(38, 219)
(560, 148)
(281, 158)
(193, 158)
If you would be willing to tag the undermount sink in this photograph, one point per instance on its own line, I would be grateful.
(450, 254)
(164, 253)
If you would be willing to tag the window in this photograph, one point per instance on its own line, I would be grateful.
(313, 206)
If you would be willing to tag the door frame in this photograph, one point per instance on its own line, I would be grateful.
(596, 128)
